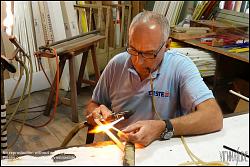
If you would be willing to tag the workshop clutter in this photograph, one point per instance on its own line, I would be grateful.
(204, 60)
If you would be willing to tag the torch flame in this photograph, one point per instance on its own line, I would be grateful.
(8, 21)
(102, 128)
(105, 128)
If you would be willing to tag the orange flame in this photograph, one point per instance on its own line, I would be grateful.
(105, 128)
(8, 21)
(102, 128)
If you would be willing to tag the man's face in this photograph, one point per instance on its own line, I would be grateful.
(146, 38)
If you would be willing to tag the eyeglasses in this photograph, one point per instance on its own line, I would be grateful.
(145, 55)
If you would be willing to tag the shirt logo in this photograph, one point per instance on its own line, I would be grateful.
(159, 93)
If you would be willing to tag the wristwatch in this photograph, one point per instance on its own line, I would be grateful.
(168, 132)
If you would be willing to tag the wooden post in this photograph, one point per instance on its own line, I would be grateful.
(129, 154)
(90, 19)
(106, 46)
(128, 24)
(93, 54)
(122, 27)
(116, 9)
(135, 8)
(82, 70)
(73, 91)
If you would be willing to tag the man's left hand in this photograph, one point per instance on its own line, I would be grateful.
(145, 132)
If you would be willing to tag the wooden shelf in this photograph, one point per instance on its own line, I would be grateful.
(223, 51)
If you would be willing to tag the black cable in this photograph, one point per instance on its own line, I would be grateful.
(29, 112)
(27, 108)
(20, 121)
(17, 100)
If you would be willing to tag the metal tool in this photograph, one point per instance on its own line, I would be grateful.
(115, 115)
(6, 64)
(16, 43)
(125, 114)
(63, 157)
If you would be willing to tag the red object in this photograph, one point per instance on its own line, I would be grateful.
(228, 5)
(207, 42)
(209, 9)
(228, 38)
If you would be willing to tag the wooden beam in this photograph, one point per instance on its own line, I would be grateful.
(122, 27)
(73, 91)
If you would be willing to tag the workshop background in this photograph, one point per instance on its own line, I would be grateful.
(214, 34)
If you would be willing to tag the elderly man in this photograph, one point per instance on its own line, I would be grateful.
(162, 86)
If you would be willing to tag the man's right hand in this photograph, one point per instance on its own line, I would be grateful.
(101, 112)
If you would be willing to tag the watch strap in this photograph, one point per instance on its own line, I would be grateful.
(168, 132)
(169, 126)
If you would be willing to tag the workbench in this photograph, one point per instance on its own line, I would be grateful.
(208, 147)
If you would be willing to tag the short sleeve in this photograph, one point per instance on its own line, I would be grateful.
(193, 89)
(101, 93)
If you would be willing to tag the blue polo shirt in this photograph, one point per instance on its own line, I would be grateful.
(178, 88)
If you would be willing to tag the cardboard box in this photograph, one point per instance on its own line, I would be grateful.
(241, 86)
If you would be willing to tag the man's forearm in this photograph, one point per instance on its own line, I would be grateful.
(198, 122)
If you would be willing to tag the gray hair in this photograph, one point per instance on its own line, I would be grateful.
(146, 16)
